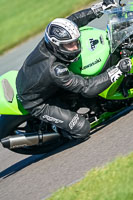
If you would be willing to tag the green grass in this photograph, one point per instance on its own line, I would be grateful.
(112, 182)
(20, 19)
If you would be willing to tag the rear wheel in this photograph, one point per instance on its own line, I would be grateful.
(15, 125)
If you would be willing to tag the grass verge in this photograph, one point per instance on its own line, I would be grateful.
(21, 19)
(112, 182)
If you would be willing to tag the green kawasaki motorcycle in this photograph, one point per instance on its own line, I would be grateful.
(21, 133)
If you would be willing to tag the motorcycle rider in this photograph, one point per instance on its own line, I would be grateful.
(45, 73)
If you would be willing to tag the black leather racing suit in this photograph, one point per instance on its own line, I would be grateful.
(42, 76)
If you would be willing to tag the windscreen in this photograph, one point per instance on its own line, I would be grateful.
(120, 25)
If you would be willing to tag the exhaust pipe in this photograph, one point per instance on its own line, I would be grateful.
(28, 139)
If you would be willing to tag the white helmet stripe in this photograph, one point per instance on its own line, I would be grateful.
(69, 26)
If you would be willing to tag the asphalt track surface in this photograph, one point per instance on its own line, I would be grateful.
(36, 177)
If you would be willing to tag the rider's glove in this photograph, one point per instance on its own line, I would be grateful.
(123, 67)
(107, 4)
(100, 7)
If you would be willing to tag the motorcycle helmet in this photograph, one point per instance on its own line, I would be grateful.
(62, 39)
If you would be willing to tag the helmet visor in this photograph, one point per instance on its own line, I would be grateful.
(70, 50)
(71, 47)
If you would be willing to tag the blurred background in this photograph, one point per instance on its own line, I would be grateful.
(22, 19)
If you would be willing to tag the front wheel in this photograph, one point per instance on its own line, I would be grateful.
(18, 125)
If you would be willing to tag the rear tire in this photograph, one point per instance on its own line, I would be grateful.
(10, 123)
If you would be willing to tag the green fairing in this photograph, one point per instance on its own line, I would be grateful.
(103, 117)
(95, 51)
(93, 58)
(14, 107)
